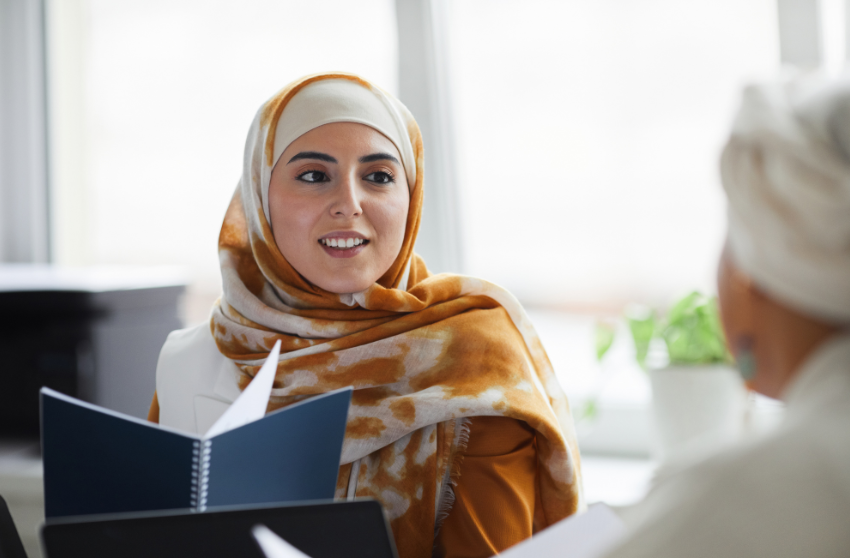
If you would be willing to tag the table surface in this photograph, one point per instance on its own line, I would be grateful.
(616, 481)
(46, 277)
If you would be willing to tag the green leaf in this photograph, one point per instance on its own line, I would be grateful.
(589, 410)
(693, 333)
(604, 334)
(642, 324)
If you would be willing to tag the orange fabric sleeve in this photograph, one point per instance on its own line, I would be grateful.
(153, 413)
(495, 491)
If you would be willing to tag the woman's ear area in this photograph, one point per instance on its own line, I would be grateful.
(737, 297)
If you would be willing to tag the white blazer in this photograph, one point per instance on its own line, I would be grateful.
(195, 383)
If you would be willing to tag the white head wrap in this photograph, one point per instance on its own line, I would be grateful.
(786, 171)
(342, 100)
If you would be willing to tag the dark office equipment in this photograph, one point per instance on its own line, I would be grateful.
(10, 541)
(354, 529)
(92, 333)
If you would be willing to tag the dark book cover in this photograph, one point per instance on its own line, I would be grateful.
(99, 461)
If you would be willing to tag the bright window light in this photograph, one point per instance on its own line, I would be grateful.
(588, 139)
(153, 100)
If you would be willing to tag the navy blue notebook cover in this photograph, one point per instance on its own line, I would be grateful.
(98, 461)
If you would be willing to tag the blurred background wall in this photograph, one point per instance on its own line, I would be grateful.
(571, 146)
(571, 156)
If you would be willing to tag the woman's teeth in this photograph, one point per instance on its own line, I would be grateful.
(342, 242)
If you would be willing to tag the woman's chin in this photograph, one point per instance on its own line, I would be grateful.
(340, 283)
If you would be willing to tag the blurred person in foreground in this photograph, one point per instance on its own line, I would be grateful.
(784, 289)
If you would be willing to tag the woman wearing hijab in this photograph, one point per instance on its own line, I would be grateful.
(457, 423)
(784, 288)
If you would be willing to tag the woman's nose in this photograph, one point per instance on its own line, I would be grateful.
(347, 202)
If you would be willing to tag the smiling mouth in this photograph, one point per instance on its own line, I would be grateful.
(343, 243)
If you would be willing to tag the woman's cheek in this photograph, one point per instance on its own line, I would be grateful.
(299, 218)
(399, 217)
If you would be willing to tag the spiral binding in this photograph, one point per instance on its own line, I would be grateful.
(200, 475)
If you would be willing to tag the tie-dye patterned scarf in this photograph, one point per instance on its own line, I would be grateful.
(419, 358)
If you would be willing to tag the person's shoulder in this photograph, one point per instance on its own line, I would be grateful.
(793, 478)
(802, 453)
(767, 497)
(189, 366)
(815, 449)
(185, 349)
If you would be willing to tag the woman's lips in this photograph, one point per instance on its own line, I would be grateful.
(343, 245)
(339, 241)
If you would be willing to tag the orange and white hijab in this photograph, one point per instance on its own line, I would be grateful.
(423, 352)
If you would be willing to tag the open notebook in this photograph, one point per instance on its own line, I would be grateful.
(99, 461)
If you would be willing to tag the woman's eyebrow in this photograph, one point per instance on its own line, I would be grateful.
(378, 157)
(313, 155)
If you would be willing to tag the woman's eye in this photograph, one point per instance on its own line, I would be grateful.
(313, 176)
(380, 177)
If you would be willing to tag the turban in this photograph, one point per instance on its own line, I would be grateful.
(786, 172)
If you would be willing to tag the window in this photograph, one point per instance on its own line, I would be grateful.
(152, 101)
(588, 138)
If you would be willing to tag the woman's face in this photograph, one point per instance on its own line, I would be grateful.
(338, 201)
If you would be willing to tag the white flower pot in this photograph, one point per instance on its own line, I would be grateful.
(696, 407)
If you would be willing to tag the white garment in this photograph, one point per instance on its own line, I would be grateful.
(786, 495)
(195, 383)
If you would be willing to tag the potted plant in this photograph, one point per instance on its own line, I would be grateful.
(698, 397)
